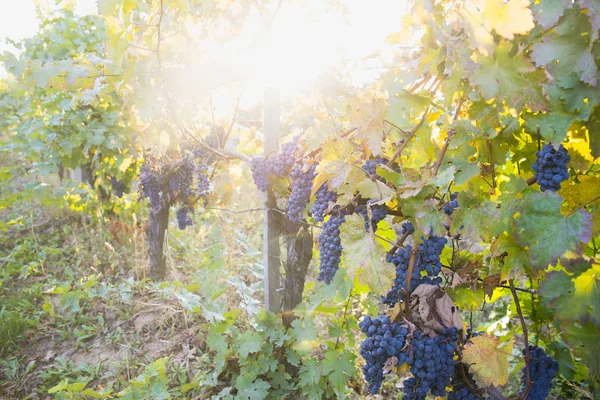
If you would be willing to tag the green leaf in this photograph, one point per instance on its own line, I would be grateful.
(546, 231)
(361, 253)
(249, 342)
(374, 189)
(567, 45)
(548, 12)
(583, 341)
(467, 132)
(404, 108)
(338, 367)
(504, 77)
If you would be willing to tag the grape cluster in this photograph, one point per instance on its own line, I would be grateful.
(385, 339)
(322, 199)
(203, 182)
(260, 173)
(407, 227)
(543, 369)
(427, 259)
(378, 213)
(279, 165)
(460, 390)
(183, 218)
(182, 179)
(151, 185)
(330, 246)
(551, 167)
(452, 205)
(283, 162)
(432, 364)
(370, 167)
(117, 187)
(302, 186)
(175, 185)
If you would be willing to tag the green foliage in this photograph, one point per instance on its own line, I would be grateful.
(461, 113)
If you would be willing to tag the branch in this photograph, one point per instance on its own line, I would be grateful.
(350, 297)
(437, 164)
(528, 383)
(489, 147)
(398, 244)
(411, 266)
(531, 180)
(410, 136)
(235, 211)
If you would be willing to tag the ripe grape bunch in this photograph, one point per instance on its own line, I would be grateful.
(117, 186)
(330, 246)
(452, 205)
(427, 259)
(302, 178)
(543, 369)
(203, 182)
(322, 199)
(378, 214)
(432, 364)
(384, 339)
(279, 165)
(551, 167)
(151, 183)
(370, 167)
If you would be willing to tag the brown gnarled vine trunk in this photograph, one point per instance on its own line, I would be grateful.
(156, 235)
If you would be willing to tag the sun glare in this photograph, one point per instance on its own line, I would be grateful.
(305, 41)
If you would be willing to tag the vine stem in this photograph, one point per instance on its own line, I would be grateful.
(398, 244)
(410, 136)
(411, 266)
(438, 163)
(350, 297)
(528, 383)
(491, 154)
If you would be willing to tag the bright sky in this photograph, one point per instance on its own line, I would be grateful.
(18, 19)
(306, 39)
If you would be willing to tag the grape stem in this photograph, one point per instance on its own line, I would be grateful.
(528, 383)
(412, 133)
(411, 266)
(398, 244)
(438, 163)
(350, 297)
(489, 148)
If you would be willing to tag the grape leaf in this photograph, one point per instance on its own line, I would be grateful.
(503, 76)
(465, 132)
(488, 359)
(249, 342)
(570, 48)
(404, 108)
(583, 340)
(375, 190)
(548, 12)
(587, 292)
(363, 257)
(509, 257)
(556, 284)
(539, 222)
(576, 195)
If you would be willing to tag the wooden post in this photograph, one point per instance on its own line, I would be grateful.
(272, 225)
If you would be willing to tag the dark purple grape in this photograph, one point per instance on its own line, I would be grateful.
(551, 167)
(330, 246)
(183, 218)
(117, 187)
(302, 179)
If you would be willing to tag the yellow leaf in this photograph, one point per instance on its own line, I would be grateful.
(507, 19)
(488, 359)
